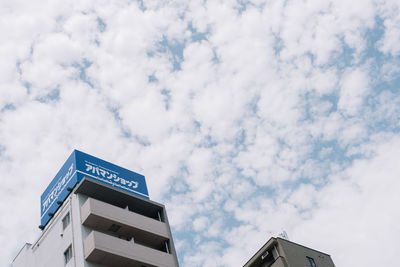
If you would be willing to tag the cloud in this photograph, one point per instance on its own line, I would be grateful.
(354, 86)
(391, 19)
(246, 117)
(358, 205)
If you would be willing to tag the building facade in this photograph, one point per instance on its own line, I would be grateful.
(278, 252)
(100, 221)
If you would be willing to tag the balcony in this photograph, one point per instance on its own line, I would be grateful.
(119, 198)
(125, 224)
(114, 252)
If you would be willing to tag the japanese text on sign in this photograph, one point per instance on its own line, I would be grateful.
(96, 170)
(55, 192)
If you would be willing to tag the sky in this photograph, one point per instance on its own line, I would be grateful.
(247, 117)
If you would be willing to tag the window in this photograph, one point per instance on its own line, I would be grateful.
(68, 254)
(311, 262)
(66, 220)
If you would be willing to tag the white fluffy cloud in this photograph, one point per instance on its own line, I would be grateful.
(359, 205)
(246, 117)
(354, 87)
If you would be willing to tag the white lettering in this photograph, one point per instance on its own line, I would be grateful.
(57, 189)
(103, 172)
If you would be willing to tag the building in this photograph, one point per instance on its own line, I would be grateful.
(94, 214)
(278, 252)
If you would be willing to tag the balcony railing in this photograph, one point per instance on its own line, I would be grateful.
(125, 224)
(112, 251)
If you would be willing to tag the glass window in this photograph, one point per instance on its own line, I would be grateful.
(311, 262)
(68, 254)
(66, 220)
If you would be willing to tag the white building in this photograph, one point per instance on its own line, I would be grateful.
(101, 225)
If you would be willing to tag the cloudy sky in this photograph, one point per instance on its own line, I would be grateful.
(247, 118)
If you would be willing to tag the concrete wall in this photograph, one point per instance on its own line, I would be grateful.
(296, 255)
(48, 251)
(280, 262)
(24, 257)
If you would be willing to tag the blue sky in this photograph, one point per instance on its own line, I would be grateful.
(246, 117)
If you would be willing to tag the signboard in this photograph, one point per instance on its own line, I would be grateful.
(80, 165)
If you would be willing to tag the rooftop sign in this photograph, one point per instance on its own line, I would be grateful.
(80, 165)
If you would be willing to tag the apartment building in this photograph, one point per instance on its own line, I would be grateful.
(95, 213)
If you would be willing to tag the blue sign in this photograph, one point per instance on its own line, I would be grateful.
(80, 165)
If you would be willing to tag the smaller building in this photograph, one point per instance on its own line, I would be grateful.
(278, 252)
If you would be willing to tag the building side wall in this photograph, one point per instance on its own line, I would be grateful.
(81, 233)
(77, 229)
(280, 262)
(171, 243)
(24, 257)
(296, 255)
(48, 251)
